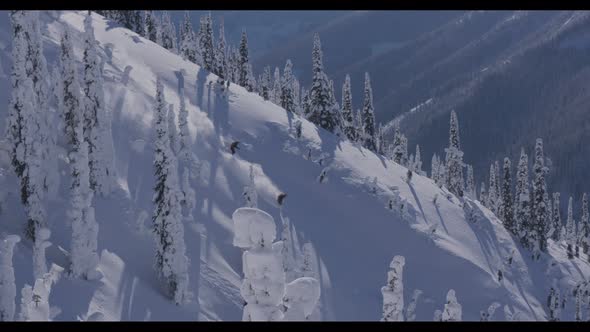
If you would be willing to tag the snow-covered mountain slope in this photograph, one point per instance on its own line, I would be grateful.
(354, 234)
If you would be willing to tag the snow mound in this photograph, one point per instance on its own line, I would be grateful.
(303, 294)
(253, 228)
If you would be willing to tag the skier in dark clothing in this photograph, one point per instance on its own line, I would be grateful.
(234, 146)
(281, 198)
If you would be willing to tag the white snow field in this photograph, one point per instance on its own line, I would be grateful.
(354, 235)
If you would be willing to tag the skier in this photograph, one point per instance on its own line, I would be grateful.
(234, 146)
(281, 198)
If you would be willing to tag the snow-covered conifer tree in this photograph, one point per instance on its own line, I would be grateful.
(7, 281)
(393, 292)
(287, 96)
(397, 150)
(492, 201)
(570, 228)
(368, 117)
(434, 168)
(522, 210)
(168, 33)
(188, 43)
(171, 261)
(556, 218)
(249, 194)
(454, 159)
(220, 56)
(265, 84)
(321, 111)
(206, 43)
(172, 130)
(347, 112)
(150, 25)
(381, 145)
(184, 141)
(507, 203)
(540, 211)
(452, 310)
(243, 61)
(404, 149)
(97, 122)
(483, 196)
(442, 171)
(470, 183)
(276, 87)
(584, 229)
(83, 254)
(418, 161)
(28, 116)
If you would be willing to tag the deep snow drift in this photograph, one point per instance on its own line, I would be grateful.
(352, 232)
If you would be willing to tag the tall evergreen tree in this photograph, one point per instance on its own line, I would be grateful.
(184, 137)
(97, 123)
(150, 25)
(346, 110)
(276, 87)
(358, 124)
(321, 110)
(454, 159)
(188, 43)
(265, 90)
(83, 253)
(404, 146)
(522, 211)
(470, 183)
(492, 201)
(507, 203)
(539, 203)
(36, 68)
(381, 143)
(297, 95)
(584, 233)
(434, 168)
(27, 117)
(556, 218)
(220, 58)
(483, 196)
(171, 262)
(243, 61)
(397, 150)
(418, 161)
(168, 33)
(368, 117)
(287, 96)
(570, 228)
(206, 42)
